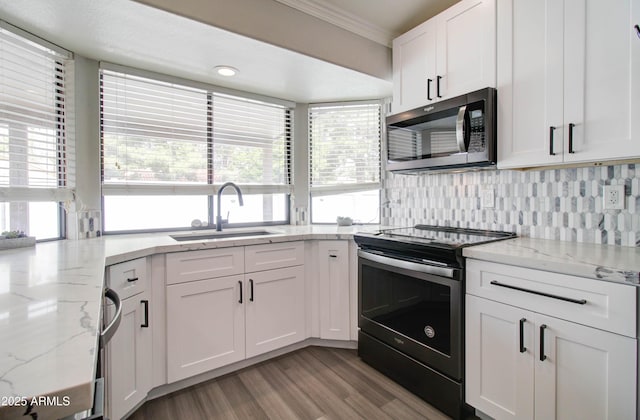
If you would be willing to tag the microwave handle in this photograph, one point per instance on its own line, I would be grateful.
(460, 129)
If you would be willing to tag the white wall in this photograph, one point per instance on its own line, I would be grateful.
(283, 26)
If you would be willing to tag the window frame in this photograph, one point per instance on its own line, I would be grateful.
(210, 188)
(62, 194)
(337, 189)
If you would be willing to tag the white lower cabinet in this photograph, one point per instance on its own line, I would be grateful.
(522, 364)
(205, 325)
(275, 315)
(212, 322)
(128, 357)
(333, 288)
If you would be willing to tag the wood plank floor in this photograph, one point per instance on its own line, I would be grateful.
(311, 383)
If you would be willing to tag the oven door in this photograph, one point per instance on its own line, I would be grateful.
(415, 308)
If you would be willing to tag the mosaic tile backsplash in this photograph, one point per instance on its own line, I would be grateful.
(560, 204)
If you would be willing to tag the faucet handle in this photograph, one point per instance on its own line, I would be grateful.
(224, 221)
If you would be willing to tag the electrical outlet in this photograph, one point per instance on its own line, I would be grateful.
(487, 199)
(613, 196)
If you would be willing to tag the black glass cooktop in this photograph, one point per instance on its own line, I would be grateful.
(443, 235)
(439, 244)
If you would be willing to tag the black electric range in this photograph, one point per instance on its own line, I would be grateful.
(411, 308)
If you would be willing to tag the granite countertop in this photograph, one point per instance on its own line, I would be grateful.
(602, 262)
(50, 311)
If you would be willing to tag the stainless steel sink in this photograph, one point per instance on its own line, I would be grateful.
(207, 235)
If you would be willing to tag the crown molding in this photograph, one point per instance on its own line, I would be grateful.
(343, 19)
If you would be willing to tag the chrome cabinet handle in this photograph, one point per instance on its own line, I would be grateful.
(535, 292)
(108, 332)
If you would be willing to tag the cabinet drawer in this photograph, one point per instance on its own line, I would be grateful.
(600, 304)
(128, 278)
(271, 256)
(205, 264)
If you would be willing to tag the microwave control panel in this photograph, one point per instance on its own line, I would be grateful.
(476, 136)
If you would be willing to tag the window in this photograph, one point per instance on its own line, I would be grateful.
(168, 147)
(36, 152)
(344, 162)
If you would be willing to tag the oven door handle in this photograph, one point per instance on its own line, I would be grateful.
(408, 265)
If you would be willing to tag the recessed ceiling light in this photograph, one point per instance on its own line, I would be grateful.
(227, 71)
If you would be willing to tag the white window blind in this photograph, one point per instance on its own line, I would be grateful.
(153, 133)
(344, 148)
(165, 138)
(251, 143)
(36, 153)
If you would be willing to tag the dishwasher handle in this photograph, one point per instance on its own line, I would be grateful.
(110, 329)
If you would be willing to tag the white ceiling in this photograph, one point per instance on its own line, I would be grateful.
(132, 34)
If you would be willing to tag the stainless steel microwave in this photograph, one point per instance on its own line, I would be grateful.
(455, 133)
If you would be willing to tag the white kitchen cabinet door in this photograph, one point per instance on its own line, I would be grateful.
(466, 48)
(333, 273)
(499, 376)
(414, 61)
(129, 357)
(587, 373)
(275, 313)
(205, 325)
(568, 88)
(601, 79)
(530, 86)
(451, 54)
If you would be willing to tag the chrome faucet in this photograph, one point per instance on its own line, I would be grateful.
(219, 219)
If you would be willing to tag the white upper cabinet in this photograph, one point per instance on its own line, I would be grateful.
(449, 55)
(566, 88)
(414, 66)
